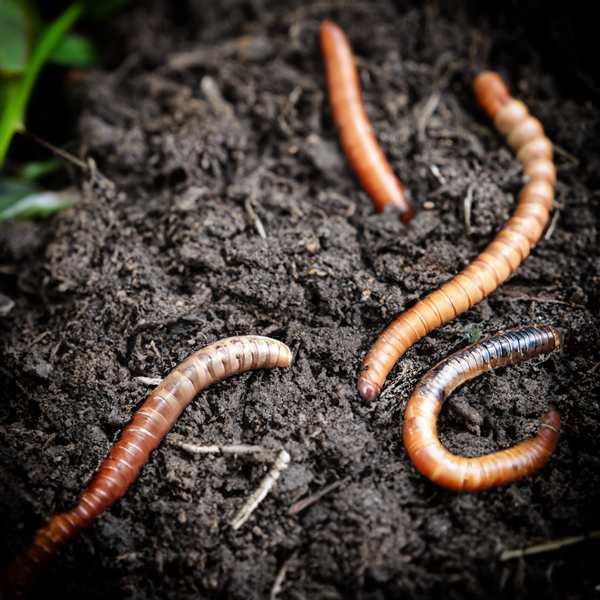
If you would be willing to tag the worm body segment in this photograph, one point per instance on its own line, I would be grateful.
(500, 259)
(474, 474)
(356, 135)
(150, 424)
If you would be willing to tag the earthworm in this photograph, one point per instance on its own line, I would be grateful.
(500, 259)
(474, 474)
(359, 143)
(150, 424)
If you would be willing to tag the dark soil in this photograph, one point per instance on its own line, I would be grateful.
(163, 256)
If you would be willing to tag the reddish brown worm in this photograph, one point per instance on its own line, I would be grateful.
(150, 424)
(500, 259)
(359, 143)
(474, 474)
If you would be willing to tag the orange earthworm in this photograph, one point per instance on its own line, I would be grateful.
(359, 143)
(475, 474)
(500, 259)
(150, 424)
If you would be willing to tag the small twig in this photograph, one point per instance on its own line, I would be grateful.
(441, 190)
(566, 154)
(299, 506)
(552, 225)
(6, 305)
(438, 174)
(517, 294)
(156, 352)
(468, 203)
(281, 464)
(278, 584)
(124, 68)
(40, 337)
(49, 440)
(549, 546)
(239, 449)
(257, 222)
(427, 112)
(148, 380)
(211, 91)
(62, 153)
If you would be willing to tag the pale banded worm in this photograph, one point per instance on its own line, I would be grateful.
(150, 424)
(499, 260)
(474, 474)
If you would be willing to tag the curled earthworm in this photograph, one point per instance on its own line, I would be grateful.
(359, 143)
(475, 474)
(150, 424)
(500, 259)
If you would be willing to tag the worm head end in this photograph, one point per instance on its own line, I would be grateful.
(407, 215)
(369, 390)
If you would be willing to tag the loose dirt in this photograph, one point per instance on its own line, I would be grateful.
(206, 124)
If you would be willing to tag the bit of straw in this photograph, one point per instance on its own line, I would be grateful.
(256, 220)
(315, 497)
(148, 380)
(566, 154)
(427, 112)
(468, 204)
(59, 151)
(239, 449)
(281, 464)
(552, 225)
(279, 585)
(549, 546)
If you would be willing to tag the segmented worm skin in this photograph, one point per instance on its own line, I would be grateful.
(359, 143)
(500, 259)
(150, 424)
(474, 474)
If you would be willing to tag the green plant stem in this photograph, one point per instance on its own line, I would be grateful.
(12, 116)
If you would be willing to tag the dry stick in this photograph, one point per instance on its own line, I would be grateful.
(312, 499)
(427, 112)
(552, 225)
(518, 295)
(566, 154)
(255, 219)
(148, 380)
(240, 449)
(549, 546)
(281, 464)
(62, 153)
(279, 585)
(468, 204)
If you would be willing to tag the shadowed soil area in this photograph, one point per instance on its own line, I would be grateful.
(209, 125)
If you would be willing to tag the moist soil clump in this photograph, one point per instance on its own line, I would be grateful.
(219, 203)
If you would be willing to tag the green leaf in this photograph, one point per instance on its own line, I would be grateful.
(12, 114)
(12, 189)
(36, 169)
(14, 38)
(41, 204)
(74, 51)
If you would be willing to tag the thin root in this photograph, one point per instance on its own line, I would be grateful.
(281, 464)
(549, 546)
